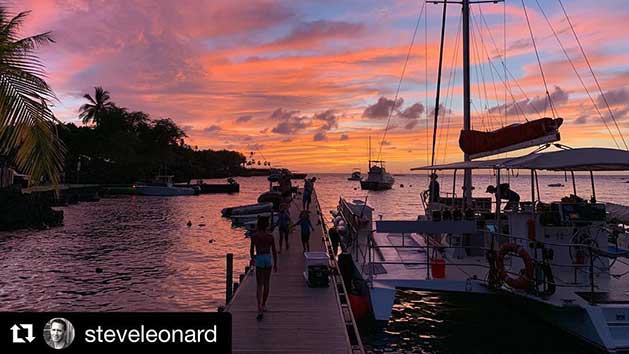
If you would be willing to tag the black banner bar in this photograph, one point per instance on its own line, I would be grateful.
(74, 332)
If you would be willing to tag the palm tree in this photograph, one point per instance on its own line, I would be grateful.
(27, 125)
(95, 110)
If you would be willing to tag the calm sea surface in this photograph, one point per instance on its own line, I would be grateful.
(138, 254)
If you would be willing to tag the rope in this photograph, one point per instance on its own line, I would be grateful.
(397, 91)
(491, 72)
(450, 92)
(539, 62)
(593, 75)
(577, 73)
(508, 75)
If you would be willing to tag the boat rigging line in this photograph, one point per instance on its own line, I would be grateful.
(397, 91)
(539, 62)
(565, 52)
(593, 75)
(434, 127)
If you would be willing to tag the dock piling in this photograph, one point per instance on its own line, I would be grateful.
(229, 277)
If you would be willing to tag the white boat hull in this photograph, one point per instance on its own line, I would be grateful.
(163, 191)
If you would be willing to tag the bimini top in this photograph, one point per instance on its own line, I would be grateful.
(582, 159)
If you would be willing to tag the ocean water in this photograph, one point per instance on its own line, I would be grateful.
(135, 253)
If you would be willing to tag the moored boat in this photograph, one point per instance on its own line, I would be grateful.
(247, 209)
(163, 186)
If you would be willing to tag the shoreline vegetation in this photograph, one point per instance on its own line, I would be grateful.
(119, 146)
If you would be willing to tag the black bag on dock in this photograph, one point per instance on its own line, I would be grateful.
(318, 277)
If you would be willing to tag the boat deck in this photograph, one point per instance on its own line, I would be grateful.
(299, 319)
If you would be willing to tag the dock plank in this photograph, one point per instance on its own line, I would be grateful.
(299, 319)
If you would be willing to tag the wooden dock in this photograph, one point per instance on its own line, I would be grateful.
(299, 319)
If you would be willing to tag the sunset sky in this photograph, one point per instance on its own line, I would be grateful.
(304, 83)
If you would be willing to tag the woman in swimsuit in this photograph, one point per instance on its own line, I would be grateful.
(264, 244)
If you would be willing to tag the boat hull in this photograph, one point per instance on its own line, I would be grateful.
(375, 186)
(160, 191)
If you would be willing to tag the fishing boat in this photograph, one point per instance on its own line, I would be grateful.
(377, 178)
(163, 186)
(565, 261)
(356, 176)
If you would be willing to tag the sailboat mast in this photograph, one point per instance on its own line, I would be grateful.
(369, 151)
(467, 177)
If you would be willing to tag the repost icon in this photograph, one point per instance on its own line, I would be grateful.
(18, 331)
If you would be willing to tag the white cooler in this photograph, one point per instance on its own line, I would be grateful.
(317, 271)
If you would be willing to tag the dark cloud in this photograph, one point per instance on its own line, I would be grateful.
(329, 118)
(282, 114)
(264, 131)
(287, 140)
(255, 147)
(320, 136)
(243, 119)
(614, 97)
(344, 137)
(212, 129)
(309, 33)
(291, 126)
(537, 105)
(411, 124)
(382, 108)
(442, 110)
(413, 111)
(581, 120)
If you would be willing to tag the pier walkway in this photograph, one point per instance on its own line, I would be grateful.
(299, 319)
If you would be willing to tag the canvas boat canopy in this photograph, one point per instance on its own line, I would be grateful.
(581, 159)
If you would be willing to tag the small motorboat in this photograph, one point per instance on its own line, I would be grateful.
(247, 209)
(246, 218)
(356, 176)
(206, 188)
(556, 185)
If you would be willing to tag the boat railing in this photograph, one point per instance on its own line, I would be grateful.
(438, 250)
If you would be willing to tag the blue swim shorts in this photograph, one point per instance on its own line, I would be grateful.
(263, 261)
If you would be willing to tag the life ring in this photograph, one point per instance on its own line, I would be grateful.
(523, 281)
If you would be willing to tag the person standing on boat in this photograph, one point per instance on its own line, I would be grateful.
(512, 198)
(306, 227)
(263, 243)
(335, 239)
(433, 188)
(283, 222)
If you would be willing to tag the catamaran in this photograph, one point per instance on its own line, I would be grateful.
(566, 261)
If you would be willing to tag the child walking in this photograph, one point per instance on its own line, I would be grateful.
(306, 227)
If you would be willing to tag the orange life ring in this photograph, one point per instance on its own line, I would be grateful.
(523, 281)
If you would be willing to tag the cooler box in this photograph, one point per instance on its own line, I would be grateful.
(317, 270)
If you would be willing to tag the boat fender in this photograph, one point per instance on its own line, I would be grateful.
(530, 229)
(524, 280)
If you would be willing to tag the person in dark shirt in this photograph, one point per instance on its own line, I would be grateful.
(433, 188)
(306, 227)
(513, 198)
(283, 222)
(335, 239)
